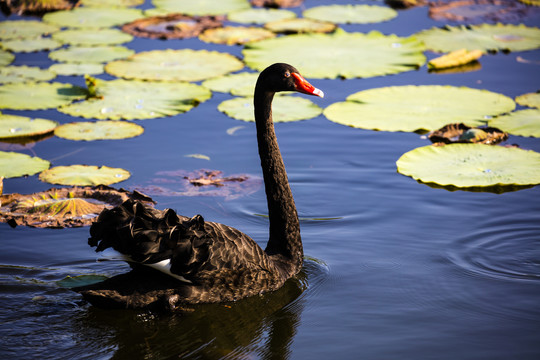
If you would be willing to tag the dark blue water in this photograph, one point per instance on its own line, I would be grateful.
(395, 268)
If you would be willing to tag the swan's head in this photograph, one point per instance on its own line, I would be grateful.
(285, 77)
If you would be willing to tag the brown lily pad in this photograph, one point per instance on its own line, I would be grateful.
(33, 7)
(478, 10)
(461, 133)
(276, 4)
(201, 183)
(175, 26)
(63, 207)
(404, 4)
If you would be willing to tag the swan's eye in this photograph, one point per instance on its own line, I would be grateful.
(287, 74)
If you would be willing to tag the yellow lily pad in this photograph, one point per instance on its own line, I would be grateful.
(70, 69)
(6, 58)
(235, 35)
(22, 29)
(530, 100)
(240, 84)
(201, 7)
(523, 122)
(100, 130)
(350, 14)
(260, 16)
(17, 74)
(299, 26)
(454, 58)
(13, 164)
(30, 44)
(90, 54)
(84, 175)
(88, 17)
(38, 95)
(14, 127)
(92, 37)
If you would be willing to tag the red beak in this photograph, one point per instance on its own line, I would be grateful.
(303, 86)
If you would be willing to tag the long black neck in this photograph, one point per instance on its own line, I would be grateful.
(284, 226)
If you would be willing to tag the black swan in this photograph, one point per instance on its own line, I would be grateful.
(209, 262)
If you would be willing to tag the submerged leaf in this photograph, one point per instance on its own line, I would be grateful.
(34, 96)
(15, 165)
(475, 10)
(100, 130)
(87, 17)
(80, 280)
(84, 175)
(455, 58)
(16, 74)
(471, 165)
(351, 14)
(13, 127)
(413, 108)
(523, 122)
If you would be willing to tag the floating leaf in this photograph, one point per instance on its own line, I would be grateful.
(39, 95)
(241, 84)
(64, 207)
(486, 37)
(84, 175)
(92, 37)
(455, 58)
(87, 17)
(77, 69)
(260, 16)
(413, 108)
(351, 14)
(175, 26)
(30, 44)
(471, 165)
(531, 2)
(530, 100)
(523, 122)
(199, 156)
(6, 58)
(100, 130)
(340, 54)
(461, 133)
(133, 99)
(16, 74)
(36, 7)
(285, 109)
(81, 280)
(95, 54)
(14, 127)
(175, 65)
(302, 25)
(232, 35)
(201, 7)
(21, 29)
(277, 3)
(111, 3)
(13, 164)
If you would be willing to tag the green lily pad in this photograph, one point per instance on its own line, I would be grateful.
(530, 100)
(351, 14)
(81, 280)
(16, 74)
(92, 37)
(413, 108)
(12, 126)
(84, 175)
(13, 164)
(241, 84)
(523, 122)
(69, 69)
(235, 35)
(471, 165)
(30, 44)
(22, 29)
(260, 16)
(340, 54)
(111, 3)
(284, 109)
(94, 54)
(100, 130)
(175, 65)
(301, 25)
(486, 37)
(201, 7)
(88, 17)
(129, 100)
(6, 58)
(38, 95)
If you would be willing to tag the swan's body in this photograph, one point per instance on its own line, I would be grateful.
(212, 262)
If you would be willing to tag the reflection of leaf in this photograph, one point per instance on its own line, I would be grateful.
(84, 175)
(470, 165)
(81, 280)
(14, 164)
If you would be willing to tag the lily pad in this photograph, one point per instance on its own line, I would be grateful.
(38, 95)
(80, 280)
(241, 84)
(485, 37)
(235, 35)
(6, 58)
(36, 7)
(94, 54)
(17, 74)
(455, 58)
(341, 54)
(14, 127)
(531, 2)
(414, 108)
(88, 17)
(260, 16)
(84, 175)
(471, 165)
(112, 3)
(22, 29)
(175, 26)
(129, 100)
(301, 25)
(30, 44)
(523, 122)
(351, 14)
(13, 164)
(77, 69)
(530, 100)
(201, 7)
(63, 207)
(175, 65)
(285, 109)
(92, 37)
(461, 133)
(100, 130)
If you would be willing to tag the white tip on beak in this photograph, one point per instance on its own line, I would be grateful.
(318, 92)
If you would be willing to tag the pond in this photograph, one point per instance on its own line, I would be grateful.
(394, 267)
